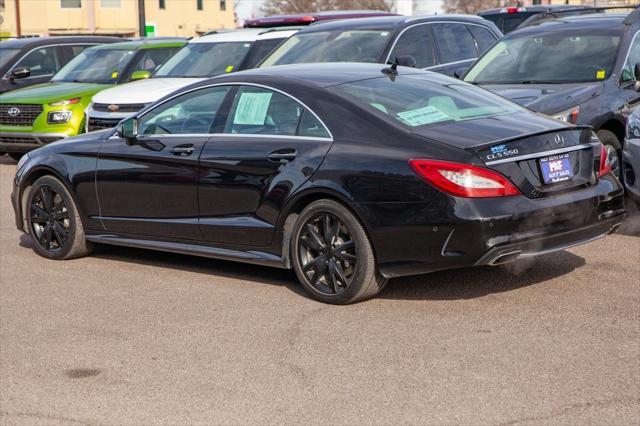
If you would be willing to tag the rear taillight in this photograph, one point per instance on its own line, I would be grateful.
(464, 180)
(605, 162)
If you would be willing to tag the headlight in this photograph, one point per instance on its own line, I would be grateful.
(22, 162)
(65, 102)
(569, 116)
(633, 127)
(56, 117)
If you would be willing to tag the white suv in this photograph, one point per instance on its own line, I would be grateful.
(203, 57)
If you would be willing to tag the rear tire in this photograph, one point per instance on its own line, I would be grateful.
(332, 255)
(610, 140)
(53, 221)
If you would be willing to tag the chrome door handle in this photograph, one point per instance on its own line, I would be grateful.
(182, 150)
(283, 155)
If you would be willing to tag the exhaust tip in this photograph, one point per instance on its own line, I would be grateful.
(505, 258)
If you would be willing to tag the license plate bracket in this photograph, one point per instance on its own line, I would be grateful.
(556, 168)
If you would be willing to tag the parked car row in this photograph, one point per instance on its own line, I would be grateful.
(336, 156)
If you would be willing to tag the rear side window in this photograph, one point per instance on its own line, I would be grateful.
(260, 111)
(454, 42)
(510, 23)
(41, 62)
(416, 42)
(484, 38)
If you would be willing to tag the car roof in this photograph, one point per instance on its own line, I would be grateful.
(533, 8)
(318, 74)
(595, 21)
(391, 22)
(19, 43)
(147, 43)
(246, 35)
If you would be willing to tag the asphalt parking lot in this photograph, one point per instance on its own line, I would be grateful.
(135, 337)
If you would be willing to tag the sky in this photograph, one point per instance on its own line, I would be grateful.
(251, 8)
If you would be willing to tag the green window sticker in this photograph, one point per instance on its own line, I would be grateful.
(252, 108)
(421, 116)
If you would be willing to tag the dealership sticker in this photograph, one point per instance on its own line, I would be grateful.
(421, 116)
(600, 74)
(252, 108)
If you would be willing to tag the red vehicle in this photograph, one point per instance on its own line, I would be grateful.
(310, 18)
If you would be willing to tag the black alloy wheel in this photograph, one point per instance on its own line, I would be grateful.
(49, 219)
(328, 253)
(332, 255)
(53, 221)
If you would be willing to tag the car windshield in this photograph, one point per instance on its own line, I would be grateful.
(557, 57)
(420, 100)
(95, 66)
(205, 59)
(330, 46)
(6, 55)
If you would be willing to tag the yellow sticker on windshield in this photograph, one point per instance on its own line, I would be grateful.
(114, 74)
(229, 68)
(600, 74)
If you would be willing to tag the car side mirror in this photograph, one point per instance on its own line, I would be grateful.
(406, 61)
(140, 75)
(127, 129)
(459, 73)
(18, 73)
(636, 77)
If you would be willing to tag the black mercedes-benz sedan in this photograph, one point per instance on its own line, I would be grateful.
(350, 174)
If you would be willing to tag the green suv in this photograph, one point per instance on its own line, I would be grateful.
(44, 113)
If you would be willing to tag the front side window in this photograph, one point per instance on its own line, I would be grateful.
(7, 55)
(259, 111)
(331, 46)
(151, 59)
(484, 38)
(102, 66)
(416, 42)
(628, 73)
(261, 48)
(191, 113)
(454, 43)
(205, 59)
(552, 57)
(41, 62)
(420, 100)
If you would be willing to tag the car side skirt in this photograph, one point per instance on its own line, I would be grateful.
(255, 257)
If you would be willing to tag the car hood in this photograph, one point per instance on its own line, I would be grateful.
(547, 98)
(51, 92)
(143, 91)
(483, 131)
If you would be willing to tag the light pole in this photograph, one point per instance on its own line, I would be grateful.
(141, 19)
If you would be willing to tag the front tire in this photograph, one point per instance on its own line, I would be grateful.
(332, 255)
(613, 145)
(53, 221)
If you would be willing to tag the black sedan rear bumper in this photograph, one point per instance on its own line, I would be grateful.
(416, 238)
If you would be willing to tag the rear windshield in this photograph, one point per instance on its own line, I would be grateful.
(420, 100)
(330, 46)
(552, 57)
(205, 59)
